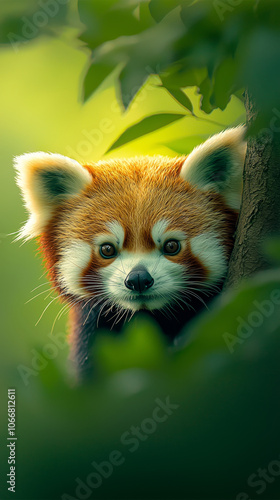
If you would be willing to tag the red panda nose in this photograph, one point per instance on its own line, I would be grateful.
(139, 279)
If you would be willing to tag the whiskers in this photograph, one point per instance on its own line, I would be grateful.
(63, 295)
(101, 297)
(107, 300)
(186, 292)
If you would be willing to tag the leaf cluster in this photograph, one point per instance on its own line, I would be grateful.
(220, 47)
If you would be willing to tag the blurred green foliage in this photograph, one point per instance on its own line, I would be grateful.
(222, 47)
(222, 374)
(25, 20)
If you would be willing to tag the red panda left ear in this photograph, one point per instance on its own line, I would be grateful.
(46, 180)
(217, 165)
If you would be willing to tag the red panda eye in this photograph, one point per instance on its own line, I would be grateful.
(107, 251)
(172, 247)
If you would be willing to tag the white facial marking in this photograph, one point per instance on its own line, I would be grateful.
(160, 235)
(174, 235)
(74, 260)
(209, 249)
(116, 236)
(117, 230)
(158, 230)
(167, 277)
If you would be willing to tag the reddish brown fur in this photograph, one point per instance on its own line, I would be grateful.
(137, 193)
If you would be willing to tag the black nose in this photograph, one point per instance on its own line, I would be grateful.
(139, 279)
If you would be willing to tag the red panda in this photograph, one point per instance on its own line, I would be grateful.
(122, 235)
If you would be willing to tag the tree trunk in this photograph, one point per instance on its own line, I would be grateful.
(260, 209)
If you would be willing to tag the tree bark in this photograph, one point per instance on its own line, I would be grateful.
(260, 208)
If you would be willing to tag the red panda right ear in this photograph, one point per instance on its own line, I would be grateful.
(46, 180)
(217, 165)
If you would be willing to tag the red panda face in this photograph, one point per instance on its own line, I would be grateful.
(139, 233)
(143, 240)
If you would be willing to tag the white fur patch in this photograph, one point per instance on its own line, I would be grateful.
(116, 236)
(167, 275)
(118, 232)
(160, 235)
(158, 230)
(74, 260)
(209, 249)
(36, 198)
(169, 278)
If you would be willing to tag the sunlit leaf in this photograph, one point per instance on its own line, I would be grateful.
(181, 98)
(146, 126)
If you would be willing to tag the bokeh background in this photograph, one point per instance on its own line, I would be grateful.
(226, 424)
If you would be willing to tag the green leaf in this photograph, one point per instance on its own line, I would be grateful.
(131, 79)
(205, 90)
(180, 97)
(145, 126)
(150, 53)
(180, 75)
(221, 327)
(96, 73)
(141, 345)
(271, 248)
(109, 20)
(225, 82)
(21, 21)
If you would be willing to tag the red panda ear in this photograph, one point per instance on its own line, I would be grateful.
(46, 180)
(217, 165)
